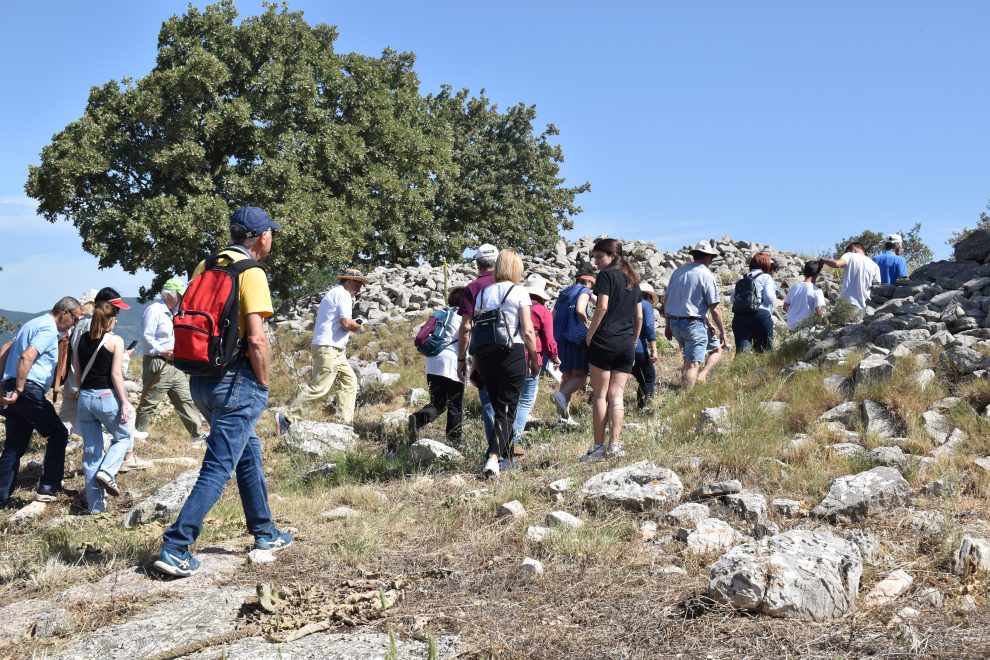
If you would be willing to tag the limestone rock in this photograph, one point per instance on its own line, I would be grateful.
(418, 397)
(866, 542)
(429, 451)
(879, 420)
(27, 513)
(686, 515)
(973, 556)
(562, 486)
(855, 496)
(340, 513)
(937, 426)
(54, 623)
(847, 414)
(713, 535)
(923, 377)
(640, 486)
(164, 504)
(530, 566)
(889, 456)
(323, 470)
(513, 509)
(871, 369)
(788, 508)
(848, 449)
(938, 488)
(319, 439)
(964, 360)
(983, 463)
(888, 589)
(395, 418)
(812, 576)
(564, 519)
(975, 247)
(648, 530)
(838, 383)
(955, 442)
(714, 420)
(751, 507)
(716, 489)
(773, 408)
(258, 556)
(537, 533)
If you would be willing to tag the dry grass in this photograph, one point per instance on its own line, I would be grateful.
(605, 593)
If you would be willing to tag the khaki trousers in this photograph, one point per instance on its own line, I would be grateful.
(331, 375)
(161, 379)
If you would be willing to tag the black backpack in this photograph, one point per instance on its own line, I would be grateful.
(748, 296)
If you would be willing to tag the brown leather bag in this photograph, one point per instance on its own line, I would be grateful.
(61, 368)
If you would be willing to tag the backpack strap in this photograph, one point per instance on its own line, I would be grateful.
(506, 296)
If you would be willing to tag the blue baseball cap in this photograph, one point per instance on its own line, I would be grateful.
(254, 220)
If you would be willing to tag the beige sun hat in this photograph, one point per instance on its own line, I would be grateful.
(537, 286)
(650, 292)
(704, 247)
(353, 274)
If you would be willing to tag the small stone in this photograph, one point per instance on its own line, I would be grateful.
(838, 384)
(27, 513)
(164, 504)
(923, 377)
(648, 530)
(871, 369)
(395, 418)
(890, 456)
(641, 486)
(713, 535)
(973, 556)
(418, 397)
(182, 461)
(322, 470)
(888, 589)
(430, 452)
(530, 566)
(716, 489)
(938, 488)
(474, 494)
(714, 420)
(537, 533)
(848, 449)
(751, 507)
(967, 604)
(955, 442)
(879, 420)
(982, 463)
(562, 486)
(456, 481)
(340, 513)
(318, 439)
(788, 508)
(855, 496)
(937, 426)
(258, 556)
(513, 509)
(773, 408)
(847, 414)
(564, 519)
(929, 596)
(671, 570)
(686, 515)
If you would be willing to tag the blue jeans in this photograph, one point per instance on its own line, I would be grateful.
(527, 397)
(695, 338)
(753, 331)
(487, 414)
(99, 409)
(233, 404)
(31, 412)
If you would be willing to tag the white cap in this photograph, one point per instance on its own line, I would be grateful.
(704, 247)
(486, 251)
(88, 296)
(895, 238)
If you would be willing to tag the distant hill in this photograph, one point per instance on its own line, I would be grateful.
(128, 323)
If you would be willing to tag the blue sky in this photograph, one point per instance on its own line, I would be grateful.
(789, 123)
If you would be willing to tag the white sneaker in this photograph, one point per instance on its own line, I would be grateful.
(561, 404)
(614, 450)
(593, 455)
(568, 421)
(491, 467)
(134, 463)
(139, 435)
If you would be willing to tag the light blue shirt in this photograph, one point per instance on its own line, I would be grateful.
(157, 331)
(691, 291)
(768, 290)
(42, 334)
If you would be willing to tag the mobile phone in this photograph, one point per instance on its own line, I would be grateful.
(132, 345)
(359, 321)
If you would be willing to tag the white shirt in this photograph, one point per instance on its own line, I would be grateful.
(445, 364)
(858, 276)
(802, 300)
(518, 298)
(157, 332)
(336, 305)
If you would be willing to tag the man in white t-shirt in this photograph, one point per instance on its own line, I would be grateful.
(858, 275)
(804, 299)
(332, 374)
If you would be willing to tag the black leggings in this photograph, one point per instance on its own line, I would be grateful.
(503, 374)
(444, 393)
(753, 331)
(646, 375)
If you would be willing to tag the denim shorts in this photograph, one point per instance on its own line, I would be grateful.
(695, 337)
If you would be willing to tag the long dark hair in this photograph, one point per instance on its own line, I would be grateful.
(613, 248)
(103, 313)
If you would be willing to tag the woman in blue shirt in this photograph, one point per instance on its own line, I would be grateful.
(753, 330)
(646, 348)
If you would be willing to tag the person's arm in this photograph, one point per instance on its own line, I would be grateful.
(463, 341)
(638, 322)
(350, 325)
(716, 313)
(596, 320)
(529, 340)
(257, 347)
(117, 376)
(902, 270)
(581, 307)
(4, 352)
(835, 263)
(24, 365)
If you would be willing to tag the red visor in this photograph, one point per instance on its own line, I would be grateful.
(119, 303)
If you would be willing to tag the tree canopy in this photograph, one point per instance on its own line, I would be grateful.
(342, 149)
(916, 252)
(983, 224)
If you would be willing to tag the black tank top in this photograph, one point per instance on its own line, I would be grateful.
(98, 377)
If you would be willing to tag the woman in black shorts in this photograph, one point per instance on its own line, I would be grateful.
(611, 343)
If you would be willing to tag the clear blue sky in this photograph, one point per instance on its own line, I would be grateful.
(789, 123)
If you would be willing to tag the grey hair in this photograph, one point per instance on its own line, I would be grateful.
(486, 262)
(239, 236)
(66, 304)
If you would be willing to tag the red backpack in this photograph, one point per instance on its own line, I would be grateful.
(207, 336)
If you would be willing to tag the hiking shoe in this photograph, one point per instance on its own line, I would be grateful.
(413, 430)
(505, 464)
(282, 424)
(614, 450)
(134, 463)
(275, 543)
(517, 450)
(139, 435)
(183, 565)
(491, 468)
(596, 453)
(568, 421)
(106, 481)
(561, 403)
(51, 493)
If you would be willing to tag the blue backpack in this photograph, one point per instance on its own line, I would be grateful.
(433, 337)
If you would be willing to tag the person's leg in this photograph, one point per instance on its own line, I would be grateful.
(152, 390)
(639, 373)
(91, 431)
(250, 474)
(527, 397)
(232, 413)
(616, 404)
(649, 379)
(763, 332)
(120, 442)
(713, 354)
(506, 400)
(40, 413)
(742, 332)
(178, 394)
(438, 399)
(320, 380)
(599, 402)
(18, 435)
(487, 414)
(455, 406)
(346, 385)
(691, 336)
